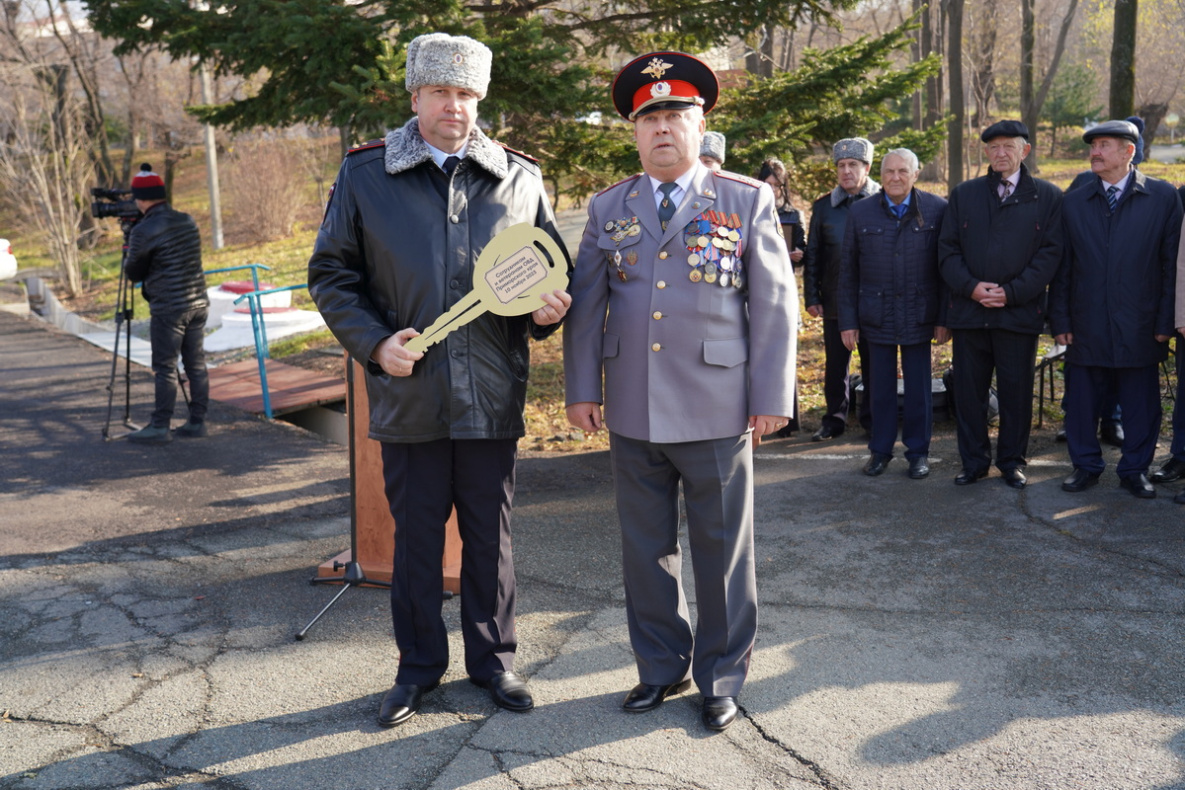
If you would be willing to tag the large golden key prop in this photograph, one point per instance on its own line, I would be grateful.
(518, 265)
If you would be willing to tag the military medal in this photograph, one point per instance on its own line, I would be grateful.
(631, 257)
(617, 262)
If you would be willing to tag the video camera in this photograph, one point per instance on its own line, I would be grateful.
(116, 205)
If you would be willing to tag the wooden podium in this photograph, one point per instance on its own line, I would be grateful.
(372, 522)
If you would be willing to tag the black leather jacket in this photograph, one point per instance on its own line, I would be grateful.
(165, 254)
(396, 249)
(820, 264)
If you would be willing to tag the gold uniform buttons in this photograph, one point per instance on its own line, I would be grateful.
(657, 315)
(661, 284)
(656, 347)
(662, 256)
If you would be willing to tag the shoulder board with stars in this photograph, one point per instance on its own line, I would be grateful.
(366, 146)
(619, 183)
(753, 182)
(528, 157)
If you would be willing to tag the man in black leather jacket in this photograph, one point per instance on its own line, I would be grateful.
(407, 219)
(165, 254)
(820, 282)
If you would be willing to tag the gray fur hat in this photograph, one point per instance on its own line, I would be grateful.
(713, 146)
(456, 61)
(853, 148)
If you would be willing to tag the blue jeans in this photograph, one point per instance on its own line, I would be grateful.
(172, 335)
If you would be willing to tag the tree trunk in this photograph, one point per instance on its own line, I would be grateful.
(984, 78)
(954, 49)
(1123, 59)
(1153, 114)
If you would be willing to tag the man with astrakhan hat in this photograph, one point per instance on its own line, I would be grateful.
(407, 219)
(683, 326)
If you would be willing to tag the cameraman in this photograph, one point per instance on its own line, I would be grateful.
(165, 254)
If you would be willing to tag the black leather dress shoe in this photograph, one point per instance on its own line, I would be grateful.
(1079, 481)
(1172, 470)
(969, 476)
(1014, 478)
(1139, 486)
(508, 691)
(1111, 433)
(876, 464)
(1060, 436)
(719, 712)
(402, 702)
(644, 696)
(825, 432)
(919, 467)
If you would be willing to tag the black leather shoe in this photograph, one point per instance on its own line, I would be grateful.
(508, 691)
(825, 432)
(644, 696)
(1111, 433)
(719, 712)
(402, 702)
(1172, 470)
(919, 467)
(969, 476)
(1139, 486)
(1060, 436)
(1014, 478)
(1179, 499)
(876, 464)
(1079, 481)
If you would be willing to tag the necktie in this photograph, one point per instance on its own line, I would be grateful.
(1112, 197)
(666, 209)
(1005, 190)
(450, 164)
(900, 210)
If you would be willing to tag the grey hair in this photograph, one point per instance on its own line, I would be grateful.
(909, 156)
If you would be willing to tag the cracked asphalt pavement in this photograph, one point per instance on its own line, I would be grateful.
(914, 634)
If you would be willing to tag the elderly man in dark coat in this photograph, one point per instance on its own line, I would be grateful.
(1111, 304)
(890, 295)
(820, 280)
(1001, 244)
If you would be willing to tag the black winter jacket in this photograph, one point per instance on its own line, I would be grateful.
(1116, 286)
(889, 286)
(1016, 243)
(820, 264)
(165, 254)
(396, 249)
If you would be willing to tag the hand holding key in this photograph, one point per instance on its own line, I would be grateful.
(516, 267)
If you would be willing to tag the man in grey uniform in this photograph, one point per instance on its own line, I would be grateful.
(697, 357)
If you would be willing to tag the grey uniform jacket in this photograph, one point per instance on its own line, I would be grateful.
(681, 360)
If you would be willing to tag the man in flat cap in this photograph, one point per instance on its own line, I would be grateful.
(1111, 304)
(820, 283)
(696, 357)
(407, 219)
(711, 151)
(1000, 245)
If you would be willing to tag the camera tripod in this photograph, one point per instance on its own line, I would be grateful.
(352, 573)
(125, 309)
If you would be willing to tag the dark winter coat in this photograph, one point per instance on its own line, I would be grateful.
(165, 254)
(889, 286)
(820, 263)
(396, 249)
(1115, 288)
(1016, 243)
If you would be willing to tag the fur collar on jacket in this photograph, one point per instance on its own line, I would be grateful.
(406, 149)
(838, 195)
